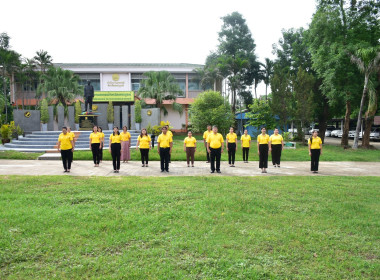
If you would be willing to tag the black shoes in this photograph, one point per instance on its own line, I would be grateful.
(212, 171)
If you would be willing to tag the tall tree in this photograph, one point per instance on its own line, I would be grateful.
(43, 60)
(161, 86)
(368, 62)
(268, 71)
(9, 62)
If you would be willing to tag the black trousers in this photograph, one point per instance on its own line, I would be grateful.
(95, 152)
(100, 153)
(115, 152)
(245, 153)
(276, 153)
(208, 155)
(67, 158)
(263, 158)
(88, 101)
(164, 155)
(231, 153)
(215, 156)
(315, 153)
(144, 155)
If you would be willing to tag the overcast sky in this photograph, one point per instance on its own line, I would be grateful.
(154, 31)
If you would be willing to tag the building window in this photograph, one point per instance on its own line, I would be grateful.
(194, 83)
(93, 78)
(135, 84)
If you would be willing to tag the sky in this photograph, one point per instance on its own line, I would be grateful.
(142, 31)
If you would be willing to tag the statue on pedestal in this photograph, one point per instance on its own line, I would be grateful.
(88, 96)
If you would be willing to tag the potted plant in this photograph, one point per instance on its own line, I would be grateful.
(138, 114)
(5, 134)
(20, 132)
(77, 111)
(44, 114)
(110, 116)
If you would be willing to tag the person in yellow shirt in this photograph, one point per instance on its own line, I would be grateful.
(95, 139)
(145, 144)
(189, 146)
(66, 147)
(205, 135)
(164, 148)
(262, 150)
(125, 145)
(231, 143)
(171, 135)
(315, 150)
(100, 130)
(72, 135)
(276, 144)
(246, 144)
(215, 148)
(115, 149)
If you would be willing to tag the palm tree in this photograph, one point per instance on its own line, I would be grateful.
(62, 86)
(268, 71)
(9, 62)
(43, 60)
(161, 86)
(367, 60)
(27, 74)
(210, 76)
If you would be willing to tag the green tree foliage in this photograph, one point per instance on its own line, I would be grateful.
(138, 118)
(43, 60)
(77, 111)
(267, 73)
(211, 108)
(161, 86)
(260, 115)
(110, 114)
(44, 111)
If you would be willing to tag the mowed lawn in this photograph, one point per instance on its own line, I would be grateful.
(189, 228)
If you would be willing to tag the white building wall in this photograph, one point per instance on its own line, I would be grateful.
(115, 81)
(175, 119)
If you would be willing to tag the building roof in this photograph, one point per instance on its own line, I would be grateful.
(124, 65)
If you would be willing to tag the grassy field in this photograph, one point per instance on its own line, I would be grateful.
(189, 228)
(18, 155)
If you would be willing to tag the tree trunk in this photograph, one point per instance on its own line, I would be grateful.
(266, 91)
(323, 119)
(5, 96)
(346, 127)
(358, 124)
(367, 131)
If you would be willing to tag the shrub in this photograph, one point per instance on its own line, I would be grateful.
(44, 111)
(157, 128)
(110, 116)
(138, 111)
(77, 111)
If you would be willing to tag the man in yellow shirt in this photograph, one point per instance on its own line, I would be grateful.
(66, 147)
(171, 135)
(164, 148)
(315, 150)
(215, 148)
(205, 135)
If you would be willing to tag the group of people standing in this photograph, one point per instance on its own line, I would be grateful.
(120, 143)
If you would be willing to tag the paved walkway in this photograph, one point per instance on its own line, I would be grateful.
(179, 168)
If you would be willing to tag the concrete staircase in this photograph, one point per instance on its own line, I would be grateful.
(46, 141)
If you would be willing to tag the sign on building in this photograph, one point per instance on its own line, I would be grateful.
(114, 96)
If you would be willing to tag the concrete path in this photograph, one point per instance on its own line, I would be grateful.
(179, 168)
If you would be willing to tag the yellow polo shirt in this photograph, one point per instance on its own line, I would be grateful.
(170, 133)
(164, 140)
(275, 139)
(72, 134)
(115, 138)
(263, 139)
(125, 136)
(102, 135)
(231, 137)
(215, 140)
(95, 137)
(206, 134)
(245, 140)
(190, 142)
(65, 140)
(144, 141)
(316, 143)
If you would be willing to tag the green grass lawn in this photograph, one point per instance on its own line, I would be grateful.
(18, 155)
(189, 228)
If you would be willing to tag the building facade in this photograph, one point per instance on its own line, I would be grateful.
(124, 77)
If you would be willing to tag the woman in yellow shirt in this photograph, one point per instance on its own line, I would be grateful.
(262, 150)
(115, 149)
(66, 147)
(315, 150)
(189, 146)
(125, 144)
(231, 144)
(246, 144)
(276, 144)
(145, 144)
(72, 135)
(100, 130)
(205, 135)
(95, 139)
